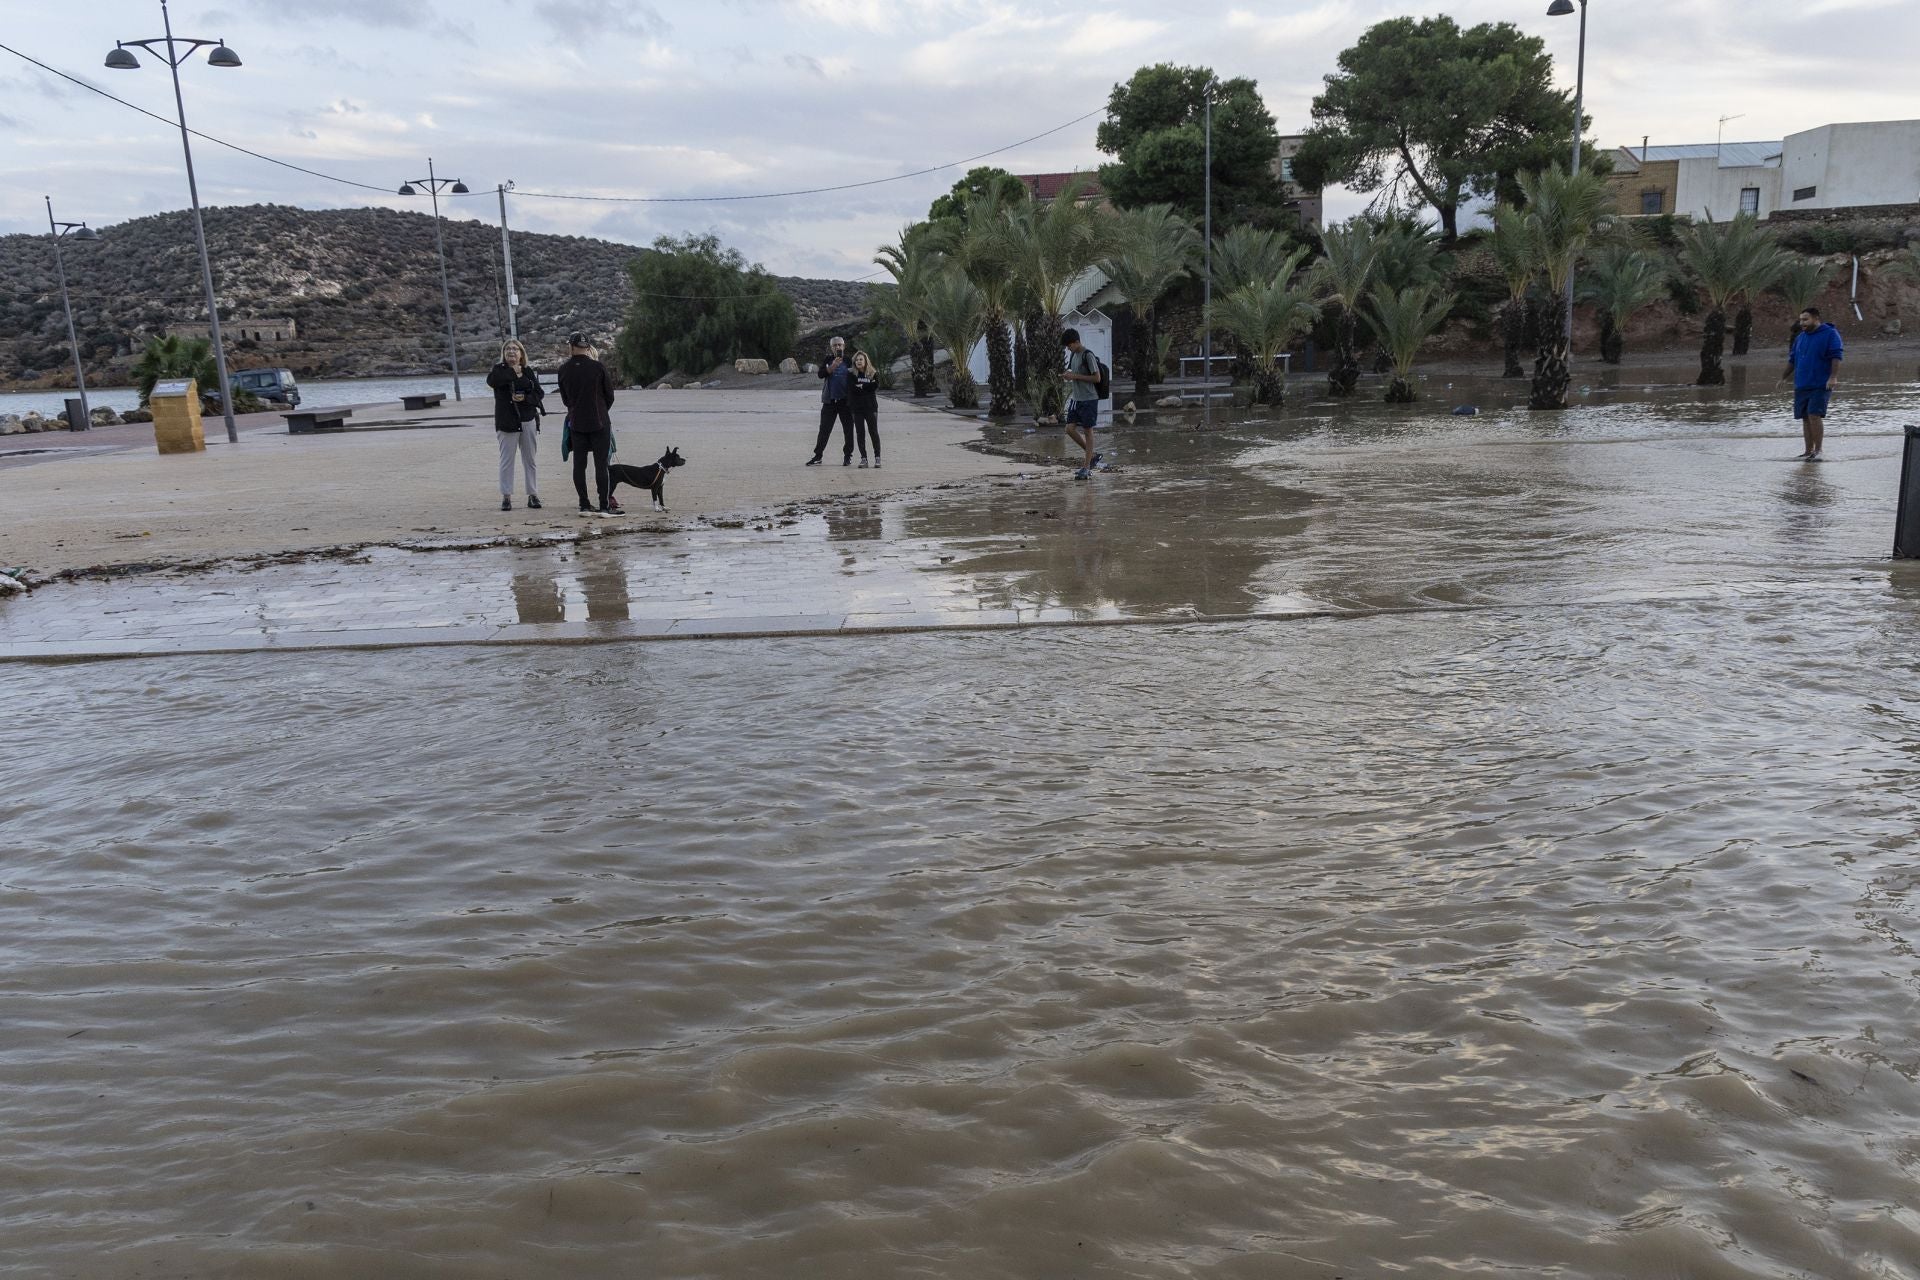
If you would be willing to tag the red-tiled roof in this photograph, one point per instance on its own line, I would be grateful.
(1046, 186)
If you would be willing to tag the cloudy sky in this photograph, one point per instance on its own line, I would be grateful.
(699, 98)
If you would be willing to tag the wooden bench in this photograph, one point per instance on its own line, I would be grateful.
(1283, 358)
(306, 424)
(431, 400)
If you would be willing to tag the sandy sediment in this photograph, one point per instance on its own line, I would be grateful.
(275, 493)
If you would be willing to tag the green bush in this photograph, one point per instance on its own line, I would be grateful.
(696, 305)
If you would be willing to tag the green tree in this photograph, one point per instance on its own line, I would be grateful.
(1047, 248)
(1727, 260)
(1513, 253)
(1342, 276)
(958, 204)
(1264, 317)
(1563, 213)
(1802, 281)
(1402, 320)
(1767, 265)
(912, 262)
(957, 318)
(1620, 280)
(1156, 251)
(1156, 131)
(977, 243)
(1423, 105)
(170, 357)
(697, 304)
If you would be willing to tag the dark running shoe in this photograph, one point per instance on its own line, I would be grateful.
(506, 504)
(533, 503)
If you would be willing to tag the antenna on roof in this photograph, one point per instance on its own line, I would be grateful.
(1722, 130)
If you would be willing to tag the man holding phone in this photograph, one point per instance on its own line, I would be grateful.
(836, 403)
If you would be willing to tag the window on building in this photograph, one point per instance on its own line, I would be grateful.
(1750, 200)
(1652, 201)
(1805, 193)
(1286, 170)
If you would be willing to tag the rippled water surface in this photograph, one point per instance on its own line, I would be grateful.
(1570, 936)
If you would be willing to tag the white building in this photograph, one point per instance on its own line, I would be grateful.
(1834, 166)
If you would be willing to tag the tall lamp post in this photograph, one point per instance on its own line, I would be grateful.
(459, 188)
(506, 252)
(79, 231)
(1206, 281)
(176, 52)
(1560, 9)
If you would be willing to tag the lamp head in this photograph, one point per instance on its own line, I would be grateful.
(122, 59)
(406, 188)
(223, 56)
(1560, 8)
(86, 233)
(459, 188)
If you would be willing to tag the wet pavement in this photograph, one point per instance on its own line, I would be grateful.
(1638, 491)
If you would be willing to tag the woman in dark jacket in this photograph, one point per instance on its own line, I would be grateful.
(516, 419)
(866, 405)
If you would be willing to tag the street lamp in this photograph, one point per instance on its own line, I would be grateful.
(459, 188)
(506, 252)
(79, 231)
(1560, 9)
(1206, 282)
(177, 52)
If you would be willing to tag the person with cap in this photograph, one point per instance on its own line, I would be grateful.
(587, 392)
(836, 403)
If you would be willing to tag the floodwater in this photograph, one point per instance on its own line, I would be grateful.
(1553, 916)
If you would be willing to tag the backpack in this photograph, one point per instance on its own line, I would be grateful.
(1104, 387)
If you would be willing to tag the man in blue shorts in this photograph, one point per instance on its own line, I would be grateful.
(1811, 359)
(1083, 398)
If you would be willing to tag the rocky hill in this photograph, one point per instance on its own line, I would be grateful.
(361, 285)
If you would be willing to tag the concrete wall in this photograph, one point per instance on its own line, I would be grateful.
(1852, 164)
(1707, 190)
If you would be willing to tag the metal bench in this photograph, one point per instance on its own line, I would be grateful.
(431, 400)
(306, 424)
(1283, 358)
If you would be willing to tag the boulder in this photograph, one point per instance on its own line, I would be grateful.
(137, 415)
(10, 424)
(745, 365)
(105, 417)
(789, 365)
(33, 422)
(1169, 402)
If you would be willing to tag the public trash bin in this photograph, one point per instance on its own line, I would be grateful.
(1906, 525)
(176, 417)
(77, 414)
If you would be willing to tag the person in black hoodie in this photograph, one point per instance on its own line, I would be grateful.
(836, 386)
(587, 392)
(866, 405)
(516, 420)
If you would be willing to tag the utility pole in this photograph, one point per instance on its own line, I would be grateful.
(506, 252)
(1206, 286)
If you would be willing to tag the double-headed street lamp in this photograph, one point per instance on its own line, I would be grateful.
(79, 231)
(173, 52)
(1206, 283)
(459, 188)
(1560, 9)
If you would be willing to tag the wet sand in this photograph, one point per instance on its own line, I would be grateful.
(275, 493)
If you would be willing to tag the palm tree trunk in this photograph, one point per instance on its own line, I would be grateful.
(1400, 390)
(1551, 371)
(923, 381)
(1513, 325)
(1712, 343)
(1000, 384)
(1345, 374)
(1020, 361)
(962, 391)
(1742, 329)
(1612, 341)
(1145, 352)
(1269, 386)
(1045, 367)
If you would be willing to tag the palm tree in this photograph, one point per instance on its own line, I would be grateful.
(1243, 256)
(1409, 258)
(1726, 258)
(1620, 280)
(1800, 284)
(1342, 277)
(956, 314)
(172, 356)
(1769, 260)
(1264, 318)
(1513, 252)
(1048, 247)
(1156, 251)
(1403, 320)
(978, 247)
(912, 263)
(1563, 213)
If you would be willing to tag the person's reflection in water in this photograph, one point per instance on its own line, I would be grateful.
(536, 598)
(853, 523)
(1809, 502)
(605, 586)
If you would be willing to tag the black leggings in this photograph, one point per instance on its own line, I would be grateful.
(596, 443)
(866, 426)
(830, 412)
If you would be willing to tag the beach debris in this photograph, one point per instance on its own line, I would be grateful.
(1466, 411)
(1169, 402)
(14, 582)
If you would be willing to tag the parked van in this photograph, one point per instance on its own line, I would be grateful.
(275, 386)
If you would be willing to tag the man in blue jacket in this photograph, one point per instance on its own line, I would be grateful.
(1811, 359)
(836, 403)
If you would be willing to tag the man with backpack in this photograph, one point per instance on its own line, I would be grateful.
(1083, 377)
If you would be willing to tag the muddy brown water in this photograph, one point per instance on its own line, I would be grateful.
(1570, 935)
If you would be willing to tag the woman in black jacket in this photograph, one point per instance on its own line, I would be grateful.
(516, 419)
(866, 405)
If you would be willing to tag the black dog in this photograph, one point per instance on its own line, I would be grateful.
(652, 477)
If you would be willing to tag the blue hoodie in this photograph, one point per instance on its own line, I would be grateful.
(1812, 357)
